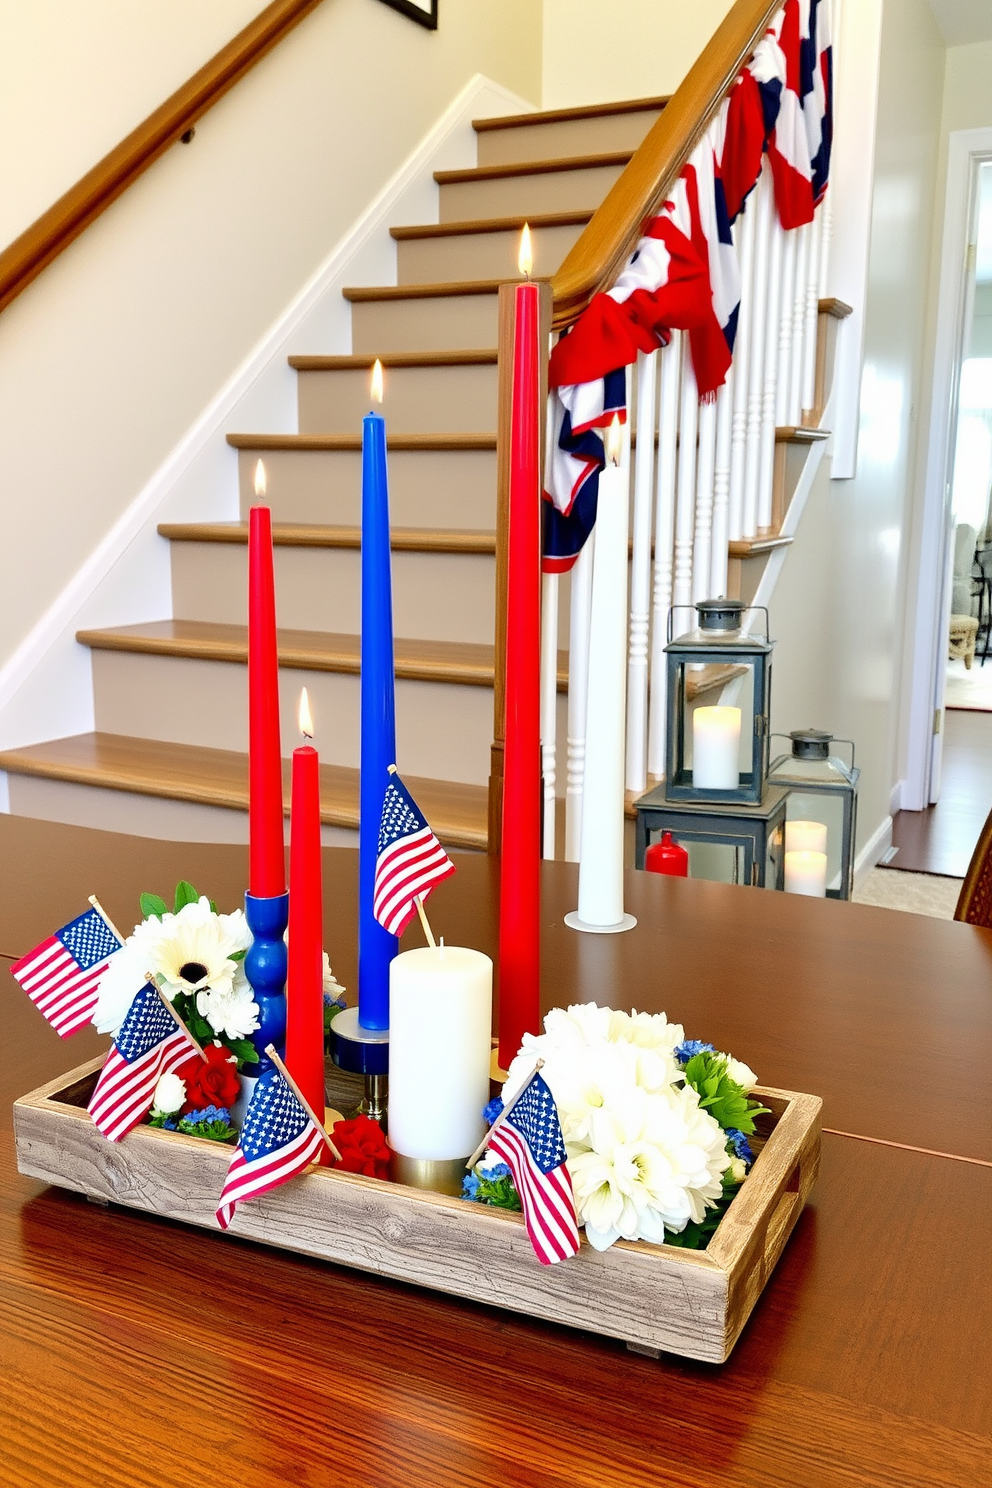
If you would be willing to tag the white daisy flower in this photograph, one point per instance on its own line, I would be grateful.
(231, 1011)
(192, 950)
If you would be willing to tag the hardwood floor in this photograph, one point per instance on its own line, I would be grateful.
(942, 838)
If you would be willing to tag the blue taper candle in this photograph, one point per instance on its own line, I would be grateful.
(376, 948)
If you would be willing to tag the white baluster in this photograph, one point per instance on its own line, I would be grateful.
(702, 545)
(685, 481)
(640, 575)
(798, 356)
(812, 313)
(766, 470)
(764, 206)
(744, 238)
(721, 489)
(549, 703)
(578, 691)
(664, 537)
(787, 283)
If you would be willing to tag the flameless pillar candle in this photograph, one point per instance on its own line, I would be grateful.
(716, 747)
(440, 1016)
(305, 982)
(376, 947)
(266, 851)
(806, 873)
(520, 924)
(805, 836)
(601, 850)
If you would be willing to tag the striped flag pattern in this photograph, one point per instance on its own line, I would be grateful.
(279, 1139)
(410, 860)
(62, 976)
(150, 1044)
(529, 1141)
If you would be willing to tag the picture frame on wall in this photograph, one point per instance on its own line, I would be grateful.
(424, 12)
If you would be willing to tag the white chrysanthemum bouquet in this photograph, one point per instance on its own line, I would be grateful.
(655, 1125)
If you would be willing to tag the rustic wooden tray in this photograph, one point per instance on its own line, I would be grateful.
(654, 1298)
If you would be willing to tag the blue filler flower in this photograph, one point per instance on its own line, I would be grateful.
(689, 1048)
(496, 1172)
(493, 1111)
(470, 1186)
(740, 1144)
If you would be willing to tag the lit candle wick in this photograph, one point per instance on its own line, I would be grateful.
(260, 481)
(525, 257)
(376, 388)
(305, 716)
(613, 442)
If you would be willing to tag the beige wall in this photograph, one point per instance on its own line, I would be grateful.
(76, 77)
(838, 609)
(968, 87)
(644, 47)
(113, 353)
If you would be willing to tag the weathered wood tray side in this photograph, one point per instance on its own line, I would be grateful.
(655, 1299)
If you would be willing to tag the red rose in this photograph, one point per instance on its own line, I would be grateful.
(210, 1082)
(362, 1147)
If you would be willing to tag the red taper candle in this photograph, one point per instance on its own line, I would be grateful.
(305, 980)
(266, 860)
(520, 924)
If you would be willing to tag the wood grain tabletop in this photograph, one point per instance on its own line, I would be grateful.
(136, 1352)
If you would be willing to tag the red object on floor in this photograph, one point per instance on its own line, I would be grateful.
(667, 856)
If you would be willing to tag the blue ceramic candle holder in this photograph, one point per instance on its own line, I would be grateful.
(265, 968)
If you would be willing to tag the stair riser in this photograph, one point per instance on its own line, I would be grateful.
(418, 400)
(138, 815)
(442, 323)
(564, 137)
(436, 596)
(430, 488)
(483, 255)
(513, 196)
(443, 730)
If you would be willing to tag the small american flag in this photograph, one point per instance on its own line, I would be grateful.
(150, 1044)
(529, 1141)
(410, 861)
(279, 1139)
(62, 976)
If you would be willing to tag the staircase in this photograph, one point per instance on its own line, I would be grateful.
(168, 754)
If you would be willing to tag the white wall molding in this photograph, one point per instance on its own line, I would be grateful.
(925, 620)
(873, 851)
(895, 797)
(46, 685)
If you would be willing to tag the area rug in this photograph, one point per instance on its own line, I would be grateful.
(971, 690)
(916, 893)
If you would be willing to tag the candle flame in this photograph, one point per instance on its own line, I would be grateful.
(525, 258)
(613, 442)
(260, 479)
(377, 380)
(306, 717)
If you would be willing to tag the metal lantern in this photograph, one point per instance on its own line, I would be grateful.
(823, 789)
(719, 694)
(731, 843)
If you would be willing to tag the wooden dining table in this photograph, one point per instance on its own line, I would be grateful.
(138, 1352)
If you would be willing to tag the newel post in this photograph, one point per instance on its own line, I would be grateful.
(504, 410)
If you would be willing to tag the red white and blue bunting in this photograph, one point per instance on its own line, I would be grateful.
(684, 273)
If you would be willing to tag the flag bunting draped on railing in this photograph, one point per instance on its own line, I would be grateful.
(684, 274)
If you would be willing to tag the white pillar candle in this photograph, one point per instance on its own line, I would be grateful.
(806, 873)
(440, 1025)
(601, 837)
(716, 748)
(805, 836)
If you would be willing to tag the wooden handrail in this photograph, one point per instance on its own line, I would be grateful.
(596, 259)
(55, 229)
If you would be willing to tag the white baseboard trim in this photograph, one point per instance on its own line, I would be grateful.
(873, 851)
(46, 685)
(895, 797)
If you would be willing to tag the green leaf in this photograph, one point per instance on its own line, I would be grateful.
(236, 955)
(185, 894)
(213, 909)
(244, 1049)
(152, 907)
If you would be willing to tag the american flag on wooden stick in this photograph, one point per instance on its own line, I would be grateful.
(279, 1139)
(62, 976)
(151, 1043)
(528, 1138)
(410, 861)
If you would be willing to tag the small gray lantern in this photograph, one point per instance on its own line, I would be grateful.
(719, 695)
(823, 789)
